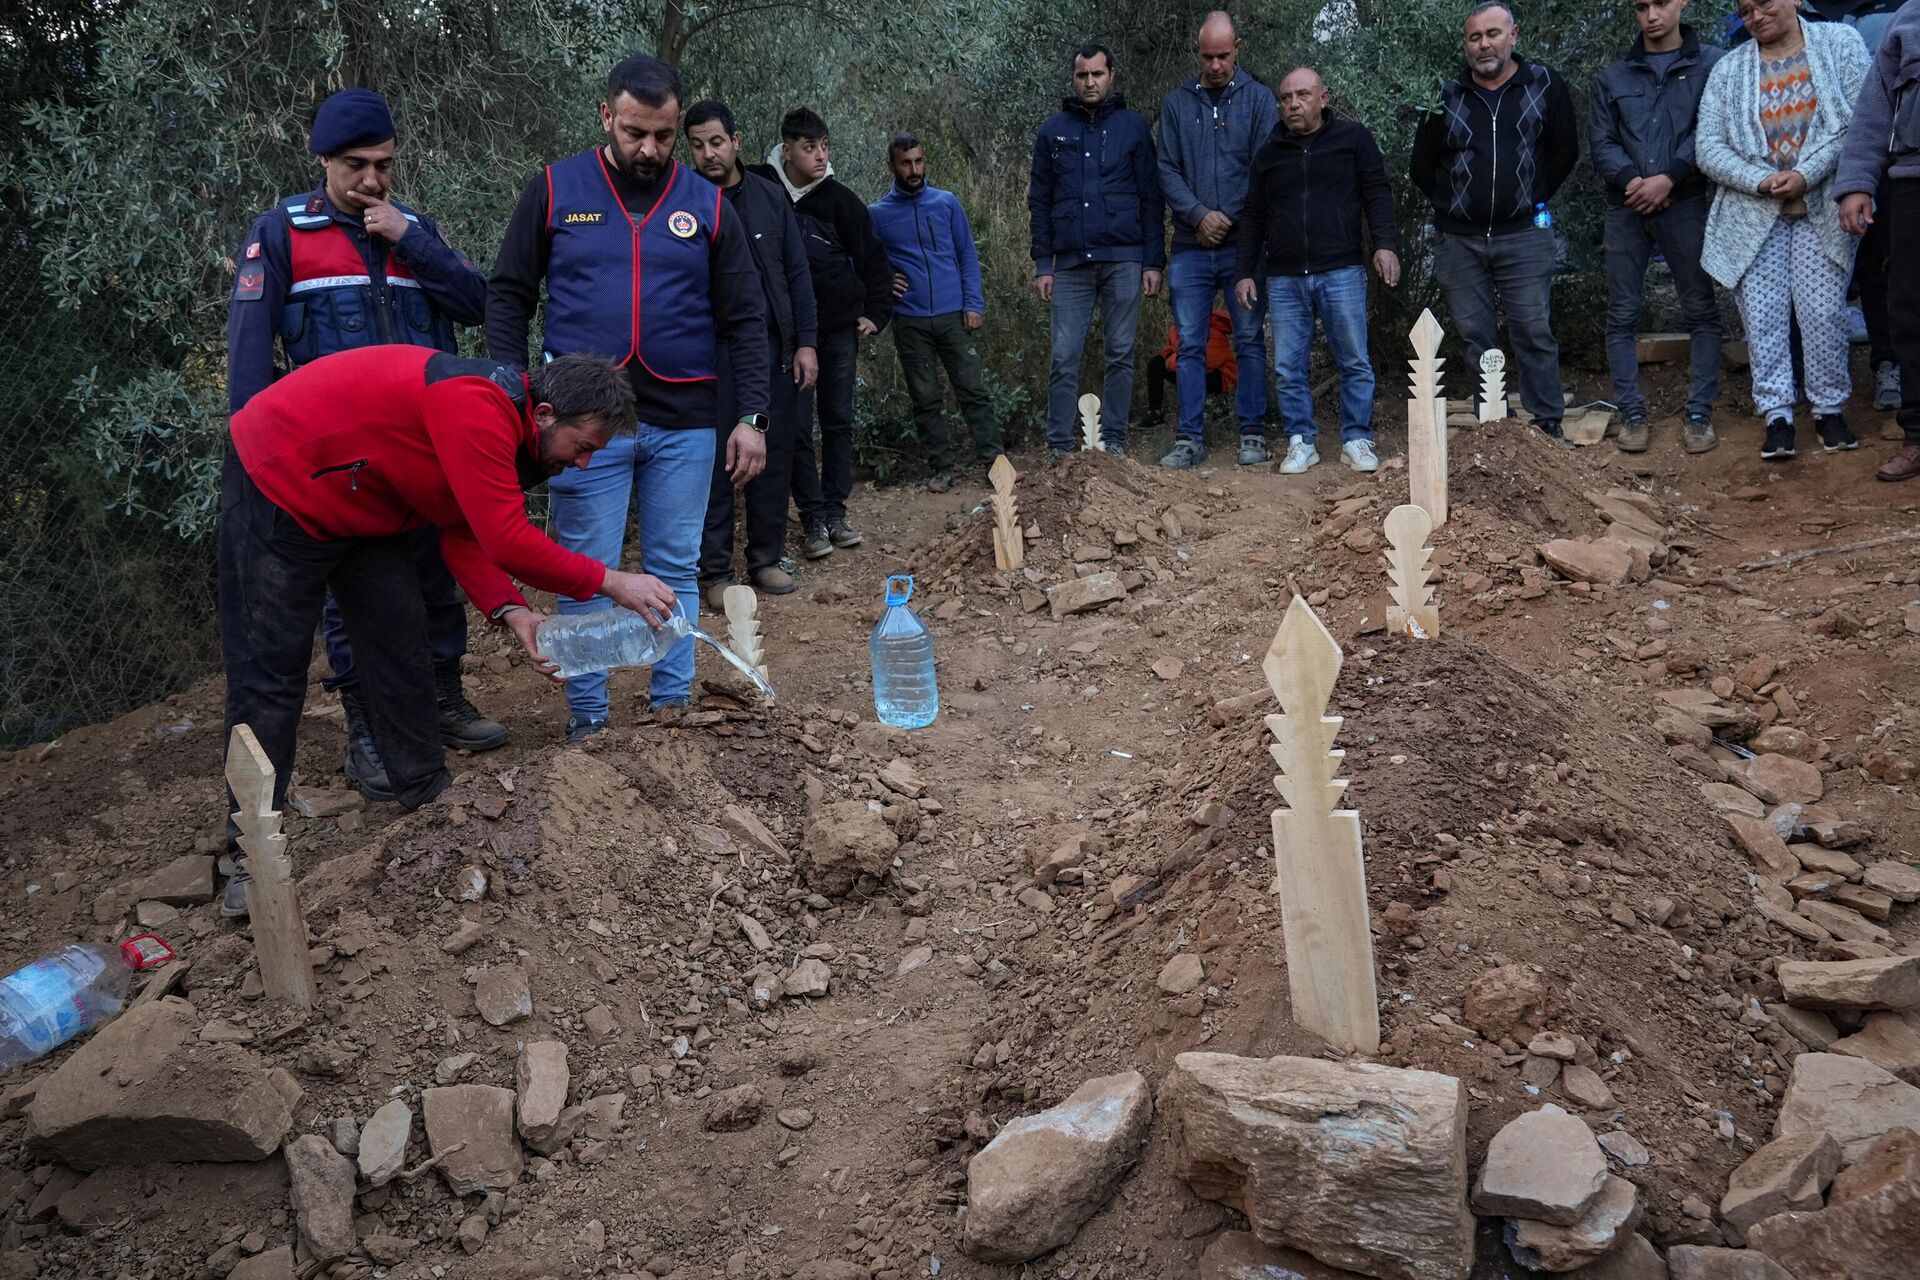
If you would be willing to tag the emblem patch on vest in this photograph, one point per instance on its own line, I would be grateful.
(682, 223)
(253, 251)
(573, 218)
(250, 283)
(316, 205)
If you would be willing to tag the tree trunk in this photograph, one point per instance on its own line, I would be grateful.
(673, 33)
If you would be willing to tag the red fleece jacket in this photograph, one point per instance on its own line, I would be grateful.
(362, 445)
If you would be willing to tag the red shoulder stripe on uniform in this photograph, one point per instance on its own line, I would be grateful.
(549, 197)
(719, 200)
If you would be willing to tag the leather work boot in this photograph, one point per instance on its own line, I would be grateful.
(1904, 465)
(461, 724)
(364, 768)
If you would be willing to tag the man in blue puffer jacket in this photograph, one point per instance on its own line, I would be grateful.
(1099, 236)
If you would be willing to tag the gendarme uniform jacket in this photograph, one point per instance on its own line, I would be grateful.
(309, 275)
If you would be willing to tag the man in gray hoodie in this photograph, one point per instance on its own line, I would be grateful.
(1209, 129)
(1879, 177)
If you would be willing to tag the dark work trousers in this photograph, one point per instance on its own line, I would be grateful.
(1902, 201)
(765, 496)
(926, 344)
(446, 621)
(821, 490)
(274, 578)
(1679, 231)
(1870, 271)
(1511, 272)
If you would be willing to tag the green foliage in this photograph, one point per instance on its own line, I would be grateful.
(142, 136)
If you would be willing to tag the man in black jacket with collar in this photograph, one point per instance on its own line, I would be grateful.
(793, 334)
(1492, 156)
(1641, 128)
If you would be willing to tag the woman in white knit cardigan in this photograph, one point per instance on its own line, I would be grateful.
(1774, 234)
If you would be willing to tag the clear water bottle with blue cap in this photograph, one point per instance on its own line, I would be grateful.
(1542, 216)
(906, 693)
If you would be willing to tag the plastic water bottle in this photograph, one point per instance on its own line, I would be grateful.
(68, 993)
(906, 692)
(615, 637)
(607, 638)
(1542, 217)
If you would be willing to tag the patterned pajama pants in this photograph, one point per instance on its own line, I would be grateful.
(1792, 275)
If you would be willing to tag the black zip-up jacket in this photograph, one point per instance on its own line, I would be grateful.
(1641, 123)
(1485, 169)
(780, 252)
(1306, 199)
(852, 275)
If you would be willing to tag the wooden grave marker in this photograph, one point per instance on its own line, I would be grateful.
(1493, 385)
(1009, 544)
(1427, 422)
(743, 626)
(1408, 528)
(1319, 872)
(1090, 424)
(273, 903)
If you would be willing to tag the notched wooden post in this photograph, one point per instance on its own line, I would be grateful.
(1009, 544)
(1090, 424)
(273, 903)
(1427, 422)
(1413, 611)
(1320, 875)
(743, 627)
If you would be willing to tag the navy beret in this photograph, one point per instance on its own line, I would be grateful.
(350, 118)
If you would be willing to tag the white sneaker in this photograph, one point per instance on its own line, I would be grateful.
(1300, 455)
(1359, 455)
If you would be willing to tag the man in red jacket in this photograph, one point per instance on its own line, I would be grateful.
(337, 474)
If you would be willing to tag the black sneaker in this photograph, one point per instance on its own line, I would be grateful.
(233, 902)
(462, 727)
(364, 767)
(1834, 433)
(579, 730)
(1698, 434)
(843, 533)
(1778, 446)
(1550, 428)
(818, 545)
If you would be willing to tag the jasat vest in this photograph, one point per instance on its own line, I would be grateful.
(333, 303)
(627, 287)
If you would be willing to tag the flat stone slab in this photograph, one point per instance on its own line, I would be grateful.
(1544, 1165)
(478, 1119)
(1891, 982)
(1849, 1098)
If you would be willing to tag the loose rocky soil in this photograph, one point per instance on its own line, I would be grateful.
(666, 890)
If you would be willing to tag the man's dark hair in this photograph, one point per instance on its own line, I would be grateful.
(1092, 50)
(644, 78)
(803, 122)
(585, 386)
(707, 112)
(900, 144)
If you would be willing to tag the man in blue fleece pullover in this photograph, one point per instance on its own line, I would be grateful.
(938, 307)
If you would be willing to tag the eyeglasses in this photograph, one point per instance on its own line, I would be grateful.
(1746, 11)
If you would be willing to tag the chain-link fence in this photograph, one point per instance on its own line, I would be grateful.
(101, 608)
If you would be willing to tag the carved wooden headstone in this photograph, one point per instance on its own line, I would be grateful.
(1493, 385)
(1320, 875)
(273, 903)
(1427, 422)
(1413, 611)
(1090, 423)
(1009, 545)
(743, 626)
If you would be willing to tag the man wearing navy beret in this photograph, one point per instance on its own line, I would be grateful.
(337, 268)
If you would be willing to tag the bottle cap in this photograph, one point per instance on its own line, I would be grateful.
(896, 596)
(147, 951)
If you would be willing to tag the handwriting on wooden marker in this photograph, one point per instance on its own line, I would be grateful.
(1090, 423)
(1009, 544)
(1493, 385)
(1319, 871)
(1413, 611)
(1427, 422)
(743, 626)
(279, 926)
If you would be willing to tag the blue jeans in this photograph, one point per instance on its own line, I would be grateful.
(1339, 298)
(1116, 287)
(1193, 278)
(670, 473)
(1679, 232)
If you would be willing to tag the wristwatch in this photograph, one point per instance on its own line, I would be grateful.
(758, 421)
